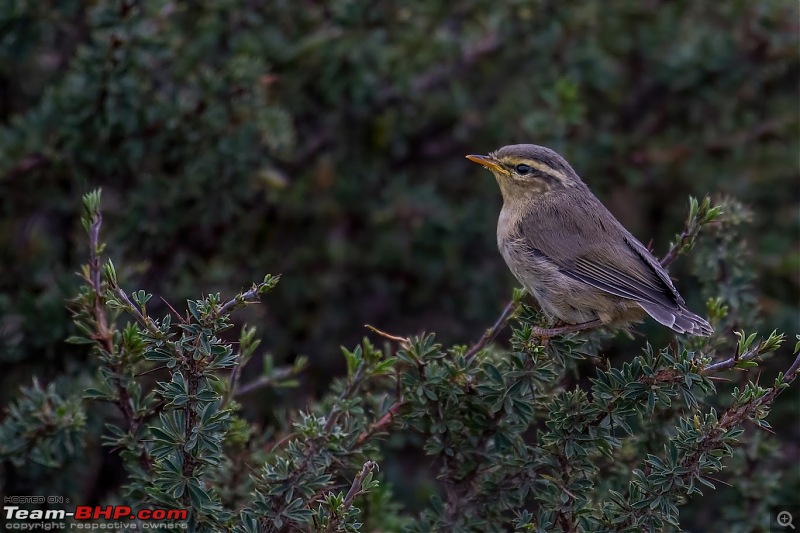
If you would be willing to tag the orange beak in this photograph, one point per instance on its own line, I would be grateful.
(488, 162)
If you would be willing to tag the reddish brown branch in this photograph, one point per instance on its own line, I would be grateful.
(104, 335)
(379, 425)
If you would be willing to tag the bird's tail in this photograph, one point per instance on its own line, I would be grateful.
(681, 320)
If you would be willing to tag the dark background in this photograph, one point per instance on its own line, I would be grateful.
(325, 141)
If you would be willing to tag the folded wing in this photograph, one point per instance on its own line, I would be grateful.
(598, 251)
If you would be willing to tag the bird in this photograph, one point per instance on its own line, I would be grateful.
(571, 254)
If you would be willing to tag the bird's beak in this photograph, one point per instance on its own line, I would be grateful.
(488, 162)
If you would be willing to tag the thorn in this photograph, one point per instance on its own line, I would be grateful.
(279, 442)
(768, 430)
(177, 314)
(151, 370)
(570, 494)
(716, 480)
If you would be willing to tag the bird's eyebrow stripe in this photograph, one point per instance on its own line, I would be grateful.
(548, 172)
(545, 169)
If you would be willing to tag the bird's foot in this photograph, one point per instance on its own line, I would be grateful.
(560, 328)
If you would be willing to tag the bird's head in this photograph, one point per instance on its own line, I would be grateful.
(524, 171)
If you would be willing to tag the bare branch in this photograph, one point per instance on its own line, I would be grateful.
(358, 483)
(240, 300)
(381, 424)
(402, 340)
(489, 335)
(731, 361)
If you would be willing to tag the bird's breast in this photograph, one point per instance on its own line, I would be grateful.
(508, 224)
(528, 267)
(557, 294)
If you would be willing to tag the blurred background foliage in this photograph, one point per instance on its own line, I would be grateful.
(325, 141)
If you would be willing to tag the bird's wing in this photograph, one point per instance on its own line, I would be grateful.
(588, 244)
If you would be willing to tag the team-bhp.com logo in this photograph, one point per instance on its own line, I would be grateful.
(119, 512)
(88, 513)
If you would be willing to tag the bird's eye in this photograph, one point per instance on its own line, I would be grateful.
(523, 169)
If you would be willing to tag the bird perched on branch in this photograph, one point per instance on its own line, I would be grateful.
(570, 253)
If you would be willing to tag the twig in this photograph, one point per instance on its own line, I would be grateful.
(793, 370)
(402, 340)
(233, 381)
(131, 308)
(674, 250)
(492, 332)
(253, 295)
(28, 163)
(731, 361)
(263, 381)
(177, 314)
(105, 335)
(689, 232)
(381, 424)
(154, 369)
(281, 441)
(788, 378)
(355, 488)
(355, 381)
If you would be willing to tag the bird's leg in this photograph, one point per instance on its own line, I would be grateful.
(559, 329)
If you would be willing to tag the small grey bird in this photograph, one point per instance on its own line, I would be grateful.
(569, 251)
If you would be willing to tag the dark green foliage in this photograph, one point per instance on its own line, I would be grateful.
(42, 416)
(325, 141)
(621, 453)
